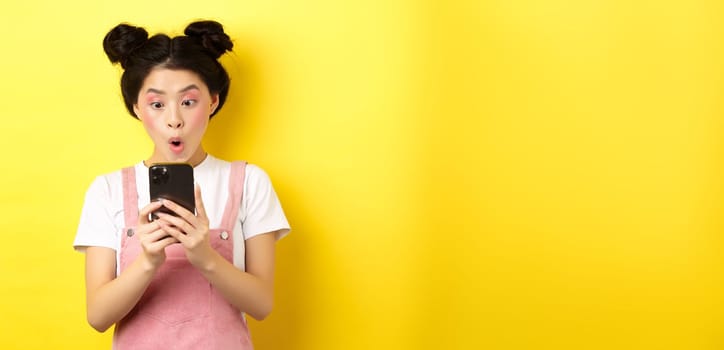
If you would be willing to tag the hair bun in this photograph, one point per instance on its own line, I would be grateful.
(122, 40)
(211, 35)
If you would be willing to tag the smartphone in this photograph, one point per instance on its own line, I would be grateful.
(172, 181)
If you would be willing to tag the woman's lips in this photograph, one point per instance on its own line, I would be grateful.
(176, 145)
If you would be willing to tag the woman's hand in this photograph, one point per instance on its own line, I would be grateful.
(153, 238)
(189, 229)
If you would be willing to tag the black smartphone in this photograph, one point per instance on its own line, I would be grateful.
(172, 181)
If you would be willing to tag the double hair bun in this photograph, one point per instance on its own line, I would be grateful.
(124, 39)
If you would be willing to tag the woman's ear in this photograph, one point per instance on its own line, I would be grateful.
(214, 103)
(137, 111)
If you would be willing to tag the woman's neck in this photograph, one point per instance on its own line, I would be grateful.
(197, 158)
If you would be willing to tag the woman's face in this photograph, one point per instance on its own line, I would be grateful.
(174, 107)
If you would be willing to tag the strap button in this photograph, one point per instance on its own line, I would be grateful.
(224, 235)
(129, 233)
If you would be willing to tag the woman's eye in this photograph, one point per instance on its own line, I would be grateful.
(156, 105)
(188, 103)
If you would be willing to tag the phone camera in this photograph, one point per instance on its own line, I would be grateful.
(159, 175)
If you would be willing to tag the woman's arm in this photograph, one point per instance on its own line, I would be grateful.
(110, 298)
(251, 291)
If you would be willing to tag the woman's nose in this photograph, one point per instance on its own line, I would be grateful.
(174, 119)
(175, 124)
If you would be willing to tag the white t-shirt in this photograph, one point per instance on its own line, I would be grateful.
(102, 217)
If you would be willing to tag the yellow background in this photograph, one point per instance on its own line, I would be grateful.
(497, 174)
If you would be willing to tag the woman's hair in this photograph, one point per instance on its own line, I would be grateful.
(196, 51)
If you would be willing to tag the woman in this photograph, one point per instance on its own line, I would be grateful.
(186, 280)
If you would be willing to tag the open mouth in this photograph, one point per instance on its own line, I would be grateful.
(176, 145)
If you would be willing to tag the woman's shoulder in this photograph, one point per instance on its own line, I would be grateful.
(251, 170)
(255, 173)
(112, 181)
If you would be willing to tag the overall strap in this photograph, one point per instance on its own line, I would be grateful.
(236, 193)
(130, 196)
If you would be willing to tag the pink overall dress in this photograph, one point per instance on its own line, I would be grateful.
(180, 309)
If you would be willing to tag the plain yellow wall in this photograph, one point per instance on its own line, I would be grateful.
(499, 174)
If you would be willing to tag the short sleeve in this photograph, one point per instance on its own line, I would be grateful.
(96, 227)
(261, 212)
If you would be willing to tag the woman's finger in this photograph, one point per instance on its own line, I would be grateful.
(172, 231)
(158, 239)
(179, 210)
(147, 228)
(156, 235)
(147, 210)
(169, 240)
(179, 223)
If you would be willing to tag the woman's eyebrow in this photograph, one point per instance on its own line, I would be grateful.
(190, 87)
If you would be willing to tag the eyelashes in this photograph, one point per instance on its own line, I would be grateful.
(189, 102)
